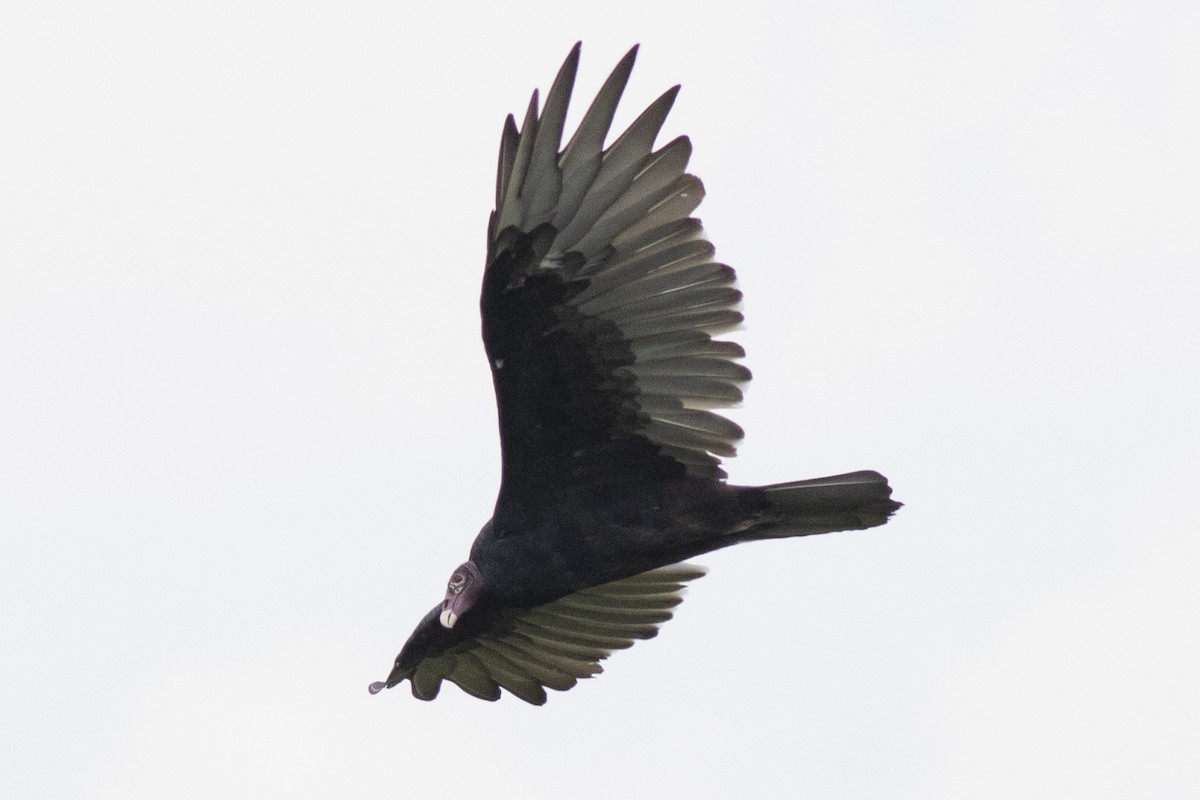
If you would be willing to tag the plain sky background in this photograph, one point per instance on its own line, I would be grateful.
(246, 425)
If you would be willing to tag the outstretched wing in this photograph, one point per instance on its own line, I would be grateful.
(600, 301)
(552, 646)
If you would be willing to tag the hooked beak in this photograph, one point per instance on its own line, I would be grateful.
(455, 605)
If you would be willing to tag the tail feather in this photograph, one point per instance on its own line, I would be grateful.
(851, 502)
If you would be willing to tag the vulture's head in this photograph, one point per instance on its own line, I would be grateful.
(462, 590)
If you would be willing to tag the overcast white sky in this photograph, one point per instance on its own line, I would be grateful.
(246, 426)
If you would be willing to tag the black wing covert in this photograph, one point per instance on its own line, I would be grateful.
(600, 300)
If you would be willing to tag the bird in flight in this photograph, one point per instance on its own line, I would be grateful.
(600, 301)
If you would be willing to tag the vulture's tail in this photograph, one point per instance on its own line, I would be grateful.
(850, 502)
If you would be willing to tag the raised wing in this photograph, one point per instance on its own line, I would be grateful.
(552, 646)
(600, 300)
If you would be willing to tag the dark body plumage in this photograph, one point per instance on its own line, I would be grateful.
(600, 300)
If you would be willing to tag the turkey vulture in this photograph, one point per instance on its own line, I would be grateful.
(600, 302)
